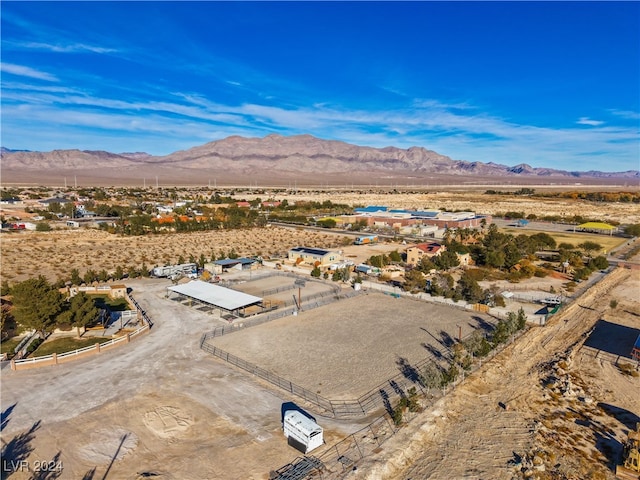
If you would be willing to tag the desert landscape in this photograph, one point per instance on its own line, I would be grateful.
(501, 422)
(320, 241)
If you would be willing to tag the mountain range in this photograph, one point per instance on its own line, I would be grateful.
(277, 159)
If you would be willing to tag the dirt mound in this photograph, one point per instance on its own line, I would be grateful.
(167, 421)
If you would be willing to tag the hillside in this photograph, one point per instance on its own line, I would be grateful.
(274, 159)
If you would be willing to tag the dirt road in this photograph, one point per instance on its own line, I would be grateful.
(158, 406)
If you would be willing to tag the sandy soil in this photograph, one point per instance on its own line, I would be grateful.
(159, 406)
(558, 419)
(54, 254)
(345, 349)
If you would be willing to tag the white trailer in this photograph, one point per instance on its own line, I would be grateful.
(171, 270)
(303, 430)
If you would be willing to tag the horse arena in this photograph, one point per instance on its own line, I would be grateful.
(348, 347)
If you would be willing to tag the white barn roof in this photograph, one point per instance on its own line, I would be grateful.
(215, 295)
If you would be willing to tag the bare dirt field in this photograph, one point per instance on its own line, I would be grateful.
(347, 348)
(265, 288)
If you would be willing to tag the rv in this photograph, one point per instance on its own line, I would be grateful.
(187, 269)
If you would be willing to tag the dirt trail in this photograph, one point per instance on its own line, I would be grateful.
(468, 434)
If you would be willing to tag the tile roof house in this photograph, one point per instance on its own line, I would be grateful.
(417, 252)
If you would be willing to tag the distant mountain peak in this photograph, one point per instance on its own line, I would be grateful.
(290, 157)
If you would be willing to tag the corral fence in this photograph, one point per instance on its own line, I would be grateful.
(383, 395)
(339, 460)
(325, 299)
(55, 358)
(607, 356)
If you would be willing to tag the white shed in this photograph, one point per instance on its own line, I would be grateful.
(303, 430)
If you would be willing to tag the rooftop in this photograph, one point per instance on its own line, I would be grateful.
(222, 297)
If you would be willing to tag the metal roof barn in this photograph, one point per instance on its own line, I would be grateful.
(215, 295)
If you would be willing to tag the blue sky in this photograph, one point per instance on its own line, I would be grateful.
(550, 84)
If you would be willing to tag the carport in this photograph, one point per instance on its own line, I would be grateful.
(595, 227)
(214, 296)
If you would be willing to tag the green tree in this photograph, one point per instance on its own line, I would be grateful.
(90, 276)
(395, 256)
(327, 223)
(316, 272)
(76, 279)
(103, 276)
(5, 289)
(81, 312)
(446, 260)
(119, 273)
(426, 265)
(469, 289)
(378, 261)
(521, 319)
(414, 281)
(36, 304)
(633, 230)
(599, 263)
(43, 227)
(431, 375)
(589, 247)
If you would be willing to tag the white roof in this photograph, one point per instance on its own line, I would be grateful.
(305, 424)
(215, 295)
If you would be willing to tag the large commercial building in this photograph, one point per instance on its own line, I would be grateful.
(381, 217)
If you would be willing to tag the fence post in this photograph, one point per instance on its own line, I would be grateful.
(97, 348)
(54, 356)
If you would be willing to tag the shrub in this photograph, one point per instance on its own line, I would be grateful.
(34, 345)
(628, 369)
(396, 414)
(541, 272)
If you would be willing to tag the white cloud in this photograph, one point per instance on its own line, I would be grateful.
(23, 71)
(66, 48)
(628, 114)
(588, 121)
(460, 131)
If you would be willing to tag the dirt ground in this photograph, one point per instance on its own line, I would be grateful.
(54, 254)
(345, 349)
(565, 412)
(158, 407)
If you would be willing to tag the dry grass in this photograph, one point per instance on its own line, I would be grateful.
(55, 254)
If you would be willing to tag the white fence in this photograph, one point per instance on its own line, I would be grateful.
(55, 359)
